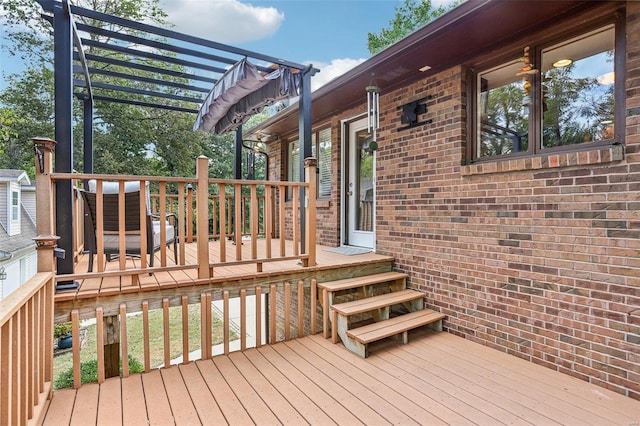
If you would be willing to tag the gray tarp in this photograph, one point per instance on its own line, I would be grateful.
(242, 92)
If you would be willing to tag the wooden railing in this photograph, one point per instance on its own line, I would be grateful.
(229, 222)
(26, 335)
(173, 206)
(288, 311)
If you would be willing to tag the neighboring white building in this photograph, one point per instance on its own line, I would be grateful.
(18, 259)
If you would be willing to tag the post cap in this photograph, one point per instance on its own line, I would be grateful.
(46, 241)
(44, 142)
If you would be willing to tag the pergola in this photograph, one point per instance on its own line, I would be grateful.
(197, 65)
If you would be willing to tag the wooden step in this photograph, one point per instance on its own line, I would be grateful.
(355, 282)
(364, 286)
(391, 327)
(358, 339)
(378, 306)
(377, 302)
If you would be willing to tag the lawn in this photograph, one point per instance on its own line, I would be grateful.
(64, 362)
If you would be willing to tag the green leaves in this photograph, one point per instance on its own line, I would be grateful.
(410, 15)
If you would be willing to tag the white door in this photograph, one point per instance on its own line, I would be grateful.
(360, 187)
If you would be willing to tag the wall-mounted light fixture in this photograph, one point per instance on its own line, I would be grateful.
(3, 274)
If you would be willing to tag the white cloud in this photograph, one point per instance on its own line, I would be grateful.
(328, 72)
(225, 21)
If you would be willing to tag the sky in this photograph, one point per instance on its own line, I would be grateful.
(330, 34)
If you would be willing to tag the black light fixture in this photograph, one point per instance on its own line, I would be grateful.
(3, 274)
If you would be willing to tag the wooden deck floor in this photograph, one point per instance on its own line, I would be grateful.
(437, 378)
(92, 287)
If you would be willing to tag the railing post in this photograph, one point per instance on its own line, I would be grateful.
(189, 216)
(45, 245)
(310, 165)
(43, 148)
(202, 215)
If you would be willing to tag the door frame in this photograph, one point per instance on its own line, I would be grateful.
(344, 180)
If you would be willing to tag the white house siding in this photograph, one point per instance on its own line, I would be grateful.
(4, 198)
(29, 201)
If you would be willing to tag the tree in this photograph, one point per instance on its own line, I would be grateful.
(28, 107)
(30, 34)
(566, 109)
(127, 139)
(410, 15)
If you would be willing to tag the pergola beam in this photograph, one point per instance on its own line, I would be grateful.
(144, 104)
(115, 88)
(98, 71)
(149, 68)
(150, 29)
(150, 55)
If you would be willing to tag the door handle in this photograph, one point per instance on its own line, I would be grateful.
(350, 193)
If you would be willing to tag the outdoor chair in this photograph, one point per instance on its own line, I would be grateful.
(132, 223)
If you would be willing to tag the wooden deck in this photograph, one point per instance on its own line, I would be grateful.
(437, 378)
(116, 287)
(189, 275)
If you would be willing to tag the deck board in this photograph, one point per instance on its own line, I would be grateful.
(437, 378)
(110, 402)
(388, 412)
(248, 397)
(288, 390)
(287, 413)
(134, 408)
(590, 406)
(182, 406)
(303, 362)
(481, 392)
(202, 399)
(61, 408)
(85, 410)
(228, 402)
(326, 402)
(506, 382)
(404, 396)
(156, 399)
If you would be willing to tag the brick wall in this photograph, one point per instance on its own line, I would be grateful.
(539, 258)
(328, 208)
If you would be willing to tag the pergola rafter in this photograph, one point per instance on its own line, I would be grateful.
(175, 64)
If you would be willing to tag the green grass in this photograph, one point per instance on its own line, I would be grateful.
(62, 364)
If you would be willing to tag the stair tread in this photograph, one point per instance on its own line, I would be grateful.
(355, 282)
(379, 330)
(376, 302)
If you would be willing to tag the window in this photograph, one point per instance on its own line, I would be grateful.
(324, 163)
(566, 102)
(15, 205)
(320, 149)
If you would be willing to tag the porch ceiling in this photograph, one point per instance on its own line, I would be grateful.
(474, 28)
